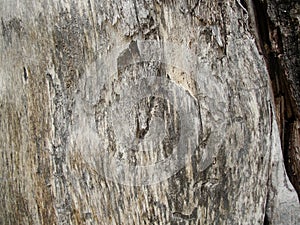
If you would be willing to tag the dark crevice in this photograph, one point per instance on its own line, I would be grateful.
(266, 220)
(25, 74)
(271, 44)
(260, 10)
(141, 132)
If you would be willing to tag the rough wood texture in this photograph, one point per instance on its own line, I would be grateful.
(89, 87)
(278, 27)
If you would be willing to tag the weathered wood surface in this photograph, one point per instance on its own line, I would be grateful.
(279, 28)
(88, 88)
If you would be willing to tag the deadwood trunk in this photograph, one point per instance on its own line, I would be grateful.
(149, 112)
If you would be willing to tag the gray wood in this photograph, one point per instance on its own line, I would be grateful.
(138, 112)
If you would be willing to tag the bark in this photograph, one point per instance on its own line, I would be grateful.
(148, 112)
(278, 26)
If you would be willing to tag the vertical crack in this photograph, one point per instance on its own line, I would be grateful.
(270, 42)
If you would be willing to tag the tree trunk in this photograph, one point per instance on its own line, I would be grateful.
(278, 27)
(149, 112)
